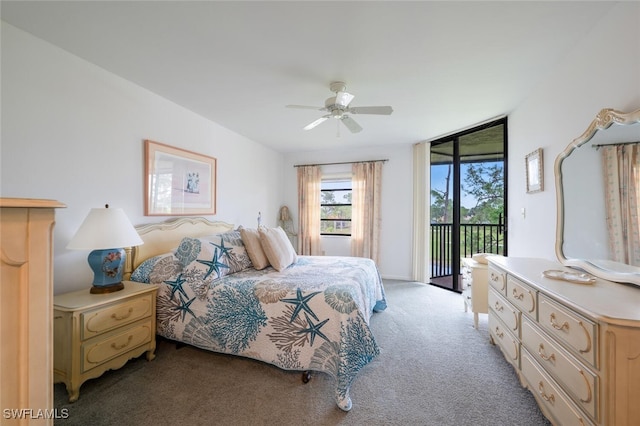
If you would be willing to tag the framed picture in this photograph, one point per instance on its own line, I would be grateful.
(535, 172)
(178, 182)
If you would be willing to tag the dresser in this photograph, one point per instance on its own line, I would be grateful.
(94, 333)
(474, 287)
(26, 301)
(576, 347)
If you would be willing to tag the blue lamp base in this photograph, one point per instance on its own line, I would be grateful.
(107, 266)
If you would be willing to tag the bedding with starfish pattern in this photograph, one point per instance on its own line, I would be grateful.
(311, 316)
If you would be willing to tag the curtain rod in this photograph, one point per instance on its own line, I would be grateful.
(344, 162)
(613, 144)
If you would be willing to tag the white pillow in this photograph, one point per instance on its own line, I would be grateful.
(277, 247)
(251, 241)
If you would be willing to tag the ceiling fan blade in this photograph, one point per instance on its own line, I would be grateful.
(351, 124)
(315, 123)
(305, 107)
(380, 110)
(344, 98)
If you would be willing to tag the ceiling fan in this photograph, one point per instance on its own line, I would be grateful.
(338, 107)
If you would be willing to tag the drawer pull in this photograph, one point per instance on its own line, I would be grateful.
(516, 295)
(125, 316)
(554, 323)
(586, 382)
(520, 297)
(496, 278)
(499, 333)
(586, 332)
(549, 398)
(499, 307)
(124, 345)
(550, 358)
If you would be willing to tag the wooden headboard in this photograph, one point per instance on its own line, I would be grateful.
(162, 237)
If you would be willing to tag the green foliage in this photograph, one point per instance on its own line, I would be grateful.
(486, 184)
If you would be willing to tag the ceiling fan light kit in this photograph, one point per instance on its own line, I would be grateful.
(338, 107)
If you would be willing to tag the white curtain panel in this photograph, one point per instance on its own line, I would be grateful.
(365, 209)
(309, 186)
(621, 165)
(421, 211)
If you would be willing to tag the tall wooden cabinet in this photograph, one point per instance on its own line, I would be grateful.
(26, 308)
(575, 346)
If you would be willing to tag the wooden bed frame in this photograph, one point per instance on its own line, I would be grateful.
(162, 237)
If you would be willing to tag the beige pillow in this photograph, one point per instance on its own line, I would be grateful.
(277, 247)
(251, 241)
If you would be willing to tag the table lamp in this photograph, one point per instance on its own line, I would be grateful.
(106, 231)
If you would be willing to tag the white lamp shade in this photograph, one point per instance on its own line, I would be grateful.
(105, 228)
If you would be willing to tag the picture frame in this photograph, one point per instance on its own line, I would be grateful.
(178, 182)
(535, 171)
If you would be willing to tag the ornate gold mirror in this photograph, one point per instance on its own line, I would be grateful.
(588, 235)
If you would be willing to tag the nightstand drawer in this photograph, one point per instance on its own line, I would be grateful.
(102, 350)
(102, 320)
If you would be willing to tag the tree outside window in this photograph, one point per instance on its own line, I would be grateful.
(335, 207)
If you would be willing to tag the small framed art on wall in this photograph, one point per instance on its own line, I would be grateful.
(535, 171)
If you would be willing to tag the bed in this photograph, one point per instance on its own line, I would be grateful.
(312, 315)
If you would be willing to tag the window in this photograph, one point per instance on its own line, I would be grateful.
(335, 207)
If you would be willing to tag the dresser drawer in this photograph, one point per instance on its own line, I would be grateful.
(522, 296)
(498, 280)
(576, 331)
(99, 350)
(466, 273)
(577, 380)
(549, 394)
(466, 295)
(507, 342)
(507, 313)
(93, 323)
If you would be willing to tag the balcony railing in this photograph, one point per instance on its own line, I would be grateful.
(474, 238)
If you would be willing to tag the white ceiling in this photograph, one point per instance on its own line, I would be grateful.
(443, 66)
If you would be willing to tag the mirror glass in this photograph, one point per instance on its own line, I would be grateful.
(582, 238)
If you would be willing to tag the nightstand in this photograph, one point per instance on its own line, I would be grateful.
(94, 333)
(475, 288)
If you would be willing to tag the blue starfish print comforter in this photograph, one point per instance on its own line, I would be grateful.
(314, 315)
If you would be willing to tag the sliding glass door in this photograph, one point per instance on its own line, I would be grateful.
(468, 199)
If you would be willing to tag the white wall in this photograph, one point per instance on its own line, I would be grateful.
(603, 71)
(74, 132)
(397, 204)
(58, 112)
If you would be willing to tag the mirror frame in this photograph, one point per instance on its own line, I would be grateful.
(605, 119)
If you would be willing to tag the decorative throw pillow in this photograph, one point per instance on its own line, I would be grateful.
(277, 247)
(164, 269)
(188, 250)
(143, 272)
(231, 248)
(210, 264)
(251, 240)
